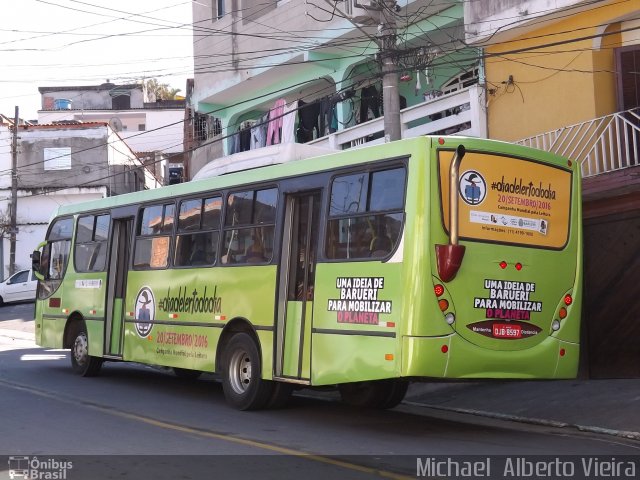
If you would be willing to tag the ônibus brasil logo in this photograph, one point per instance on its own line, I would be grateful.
(145, 310)
(473, 188)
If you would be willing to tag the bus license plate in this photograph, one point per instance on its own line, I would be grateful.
(501, 330)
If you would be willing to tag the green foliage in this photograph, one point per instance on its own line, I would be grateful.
(160, 91)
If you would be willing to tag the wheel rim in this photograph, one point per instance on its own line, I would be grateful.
(80, 349)
(240, 371)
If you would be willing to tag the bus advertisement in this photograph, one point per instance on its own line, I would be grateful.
(433, 257)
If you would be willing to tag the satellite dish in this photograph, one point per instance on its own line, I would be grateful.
(116, 124)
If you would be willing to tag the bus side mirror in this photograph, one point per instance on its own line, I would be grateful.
(36, 264)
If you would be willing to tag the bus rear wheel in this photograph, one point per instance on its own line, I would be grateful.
(381, 394)
(242, 384)
(81, 362)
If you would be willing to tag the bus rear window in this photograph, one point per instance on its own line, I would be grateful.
(508, 200)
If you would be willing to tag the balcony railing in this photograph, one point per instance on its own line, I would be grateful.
(601, 145)
(458, 113)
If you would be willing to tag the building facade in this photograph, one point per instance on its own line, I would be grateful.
(59, 164)
(309, 72)
(555, 63)
(152, 128)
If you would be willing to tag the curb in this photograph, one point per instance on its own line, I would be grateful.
(534, 421)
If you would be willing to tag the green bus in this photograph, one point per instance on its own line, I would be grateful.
(365, 269)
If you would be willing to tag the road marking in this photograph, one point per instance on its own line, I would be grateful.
(205, 433)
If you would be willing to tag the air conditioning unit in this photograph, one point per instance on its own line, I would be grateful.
(365, 12)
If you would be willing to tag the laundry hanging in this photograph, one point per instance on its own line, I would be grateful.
(289, 122)
(275, 122)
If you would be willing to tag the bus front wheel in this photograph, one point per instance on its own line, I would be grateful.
(242, 383)
(374, 394)
(81, 362)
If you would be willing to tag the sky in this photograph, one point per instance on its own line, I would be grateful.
(49, 43)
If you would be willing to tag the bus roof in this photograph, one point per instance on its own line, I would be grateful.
(302, 165)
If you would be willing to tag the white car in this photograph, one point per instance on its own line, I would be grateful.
(19, 287)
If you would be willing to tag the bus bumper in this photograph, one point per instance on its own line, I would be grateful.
(452, 356)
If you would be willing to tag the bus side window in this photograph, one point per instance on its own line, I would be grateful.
(198, 232)
(153, 237)
(249, 227)
(366, 214)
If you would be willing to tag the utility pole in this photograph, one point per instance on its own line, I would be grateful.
(14, 196)
(390, 92)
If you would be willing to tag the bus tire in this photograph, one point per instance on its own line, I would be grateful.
(381, 394)
(186, 373)
(81, 362)
(280, 396)
(397, 389)
(243, 387)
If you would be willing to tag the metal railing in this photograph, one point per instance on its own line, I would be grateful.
(457, 113)
(601, 145)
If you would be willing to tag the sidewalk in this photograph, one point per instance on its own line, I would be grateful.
(600, 406)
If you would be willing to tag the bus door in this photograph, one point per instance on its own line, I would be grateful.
(296, 287)
(121, 229)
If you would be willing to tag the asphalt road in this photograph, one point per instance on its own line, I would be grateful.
(136, 421)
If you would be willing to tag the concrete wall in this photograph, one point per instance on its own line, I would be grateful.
(93, 99)
(163, 128)
(489, 19)
(164, 132)
(88, 156)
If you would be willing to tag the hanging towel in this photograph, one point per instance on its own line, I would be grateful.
(275, 122)
(289, 123)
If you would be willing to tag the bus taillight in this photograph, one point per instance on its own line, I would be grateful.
(439, 290)
(443, 304)
(562, 313)
(518, 266)
(568, 299)
(503, 264)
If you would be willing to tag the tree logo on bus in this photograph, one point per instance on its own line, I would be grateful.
(145, 309)
(473, 188)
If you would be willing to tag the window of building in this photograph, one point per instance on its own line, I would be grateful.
(153, 236)
(142, 127)
(365, 214)
(627, 67)
(218, 9)
(198, 232)
(121, 102)
(249, 226)
(57, 158)
(206, 127)
(90, 250)
(460, 81)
